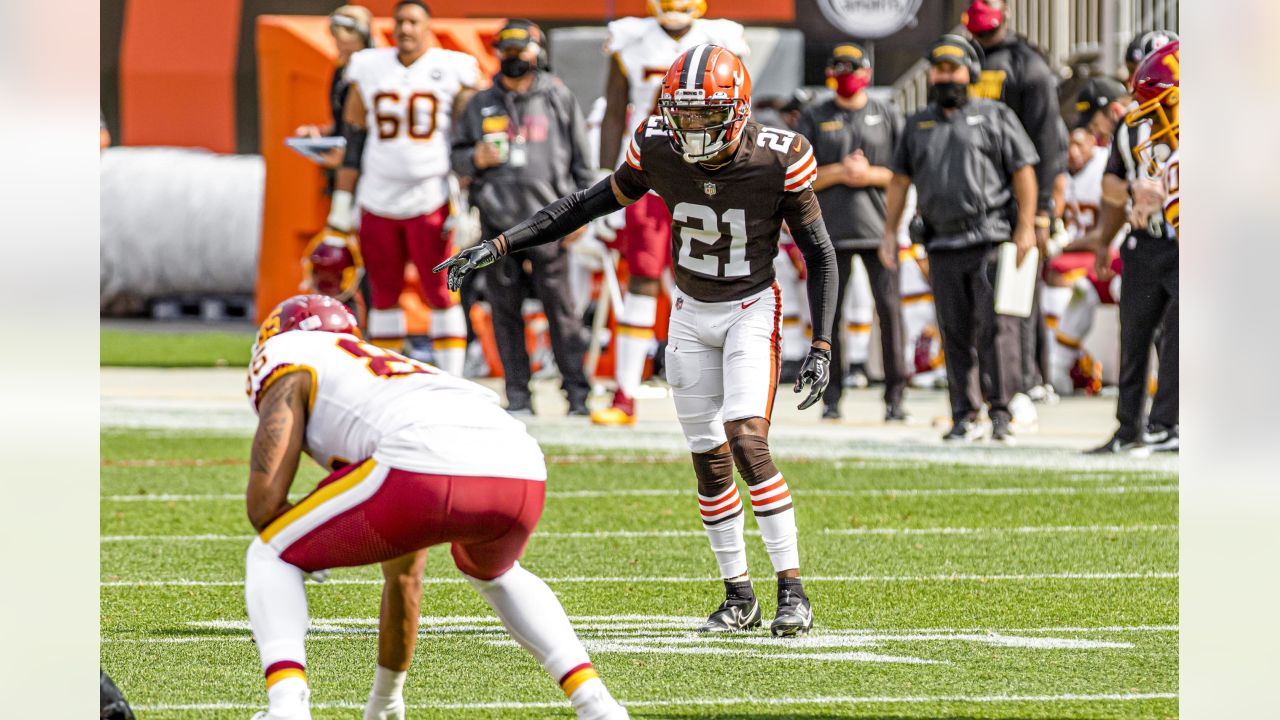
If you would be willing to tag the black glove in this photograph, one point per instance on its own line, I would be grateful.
(473, 258)
(816, 373)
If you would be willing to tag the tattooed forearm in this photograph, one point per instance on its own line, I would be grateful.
(276, 447)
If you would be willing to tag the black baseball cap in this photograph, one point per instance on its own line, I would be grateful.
(850, 52)
(1096, 94)
(517, 34)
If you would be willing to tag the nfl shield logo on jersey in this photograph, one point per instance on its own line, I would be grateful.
(679, 303)
(709, 188)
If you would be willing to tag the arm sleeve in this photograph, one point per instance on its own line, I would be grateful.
(1043, 123)
(354, 153)
(465, 136)
(560, 218)
(803, 216)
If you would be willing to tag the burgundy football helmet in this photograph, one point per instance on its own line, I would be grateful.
(1155, 88)
(332, 265)
(307, 312)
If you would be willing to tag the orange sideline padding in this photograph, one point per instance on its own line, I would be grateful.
(177, 74)
(295, 63)
(593, 11)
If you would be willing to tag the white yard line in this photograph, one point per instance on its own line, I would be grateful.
(606, 534)
(665, 492)
(651, 579)
(673, 626)
(748, 700)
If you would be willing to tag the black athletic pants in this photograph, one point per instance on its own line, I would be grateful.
(1148, 300)
(982, 349)
(548, 281)
(888, 299)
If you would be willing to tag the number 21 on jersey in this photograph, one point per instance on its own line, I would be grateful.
(708, 232)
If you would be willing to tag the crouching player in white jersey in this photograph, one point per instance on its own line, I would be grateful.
(411, 450)
(399, 114)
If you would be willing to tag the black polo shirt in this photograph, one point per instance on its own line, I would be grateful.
(854, 216)
(962, 167)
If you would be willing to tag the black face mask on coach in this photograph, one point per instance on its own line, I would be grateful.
(949, 95)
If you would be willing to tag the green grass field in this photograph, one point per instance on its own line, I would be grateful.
(128, 348)
(939, 592)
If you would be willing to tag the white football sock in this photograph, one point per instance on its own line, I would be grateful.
(449, 339)
(634, 338)
(722, 518)
(771, 503)
(289, 699)
(387, 328)
(277, 605)
(534, 617)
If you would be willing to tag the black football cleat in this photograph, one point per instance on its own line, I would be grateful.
(1001, 431)
(1119, 446)
(894, 412)
(795, 614)
(733, 615)
(964, 431)
(738, 612)
(1161, 439)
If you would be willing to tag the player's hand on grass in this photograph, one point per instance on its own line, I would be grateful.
(816, 373)
(467, 261)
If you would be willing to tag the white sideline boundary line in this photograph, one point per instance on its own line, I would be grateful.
(672, 580)
(673, 492)
(747, 700)
(606, 534)
(584, 623)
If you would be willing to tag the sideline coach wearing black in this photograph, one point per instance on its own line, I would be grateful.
(853, 137)
(1017, 74)
(972, 165)
(534, 115)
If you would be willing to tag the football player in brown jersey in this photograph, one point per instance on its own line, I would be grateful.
(729, 183)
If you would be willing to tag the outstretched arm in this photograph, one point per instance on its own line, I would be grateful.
(549, 224)
(277, 447)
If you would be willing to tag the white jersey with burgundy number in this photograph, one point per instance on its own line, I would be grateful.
(646, 52)
(369, 402)
(409, 116)
(1083, 196)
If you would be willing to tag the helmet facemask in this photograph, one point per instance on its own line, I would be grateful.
(700, 128)
(1161, 113)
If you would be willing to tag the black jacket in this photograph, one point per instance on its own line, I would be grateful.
(548, 118)
(1016, 74)
(962, 167)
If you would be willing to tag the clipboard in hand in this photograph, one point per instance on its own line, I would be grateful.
(313, 149)
(1015, 284)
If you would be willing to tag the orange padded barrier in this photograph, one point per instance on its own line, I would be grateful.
(177, 74)
(295, 63)
(593, 11)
